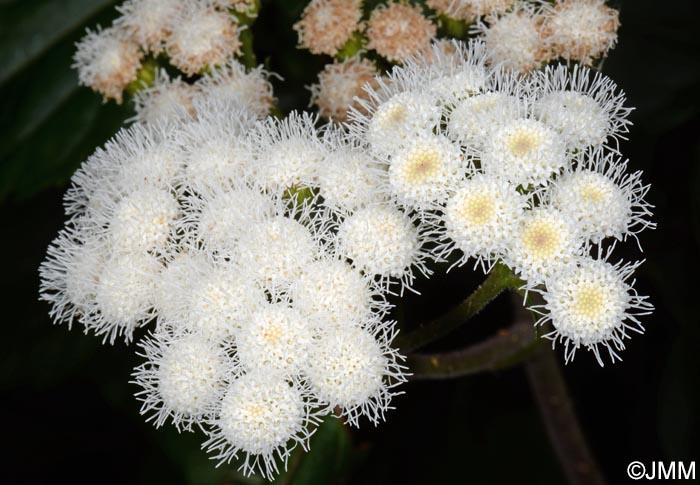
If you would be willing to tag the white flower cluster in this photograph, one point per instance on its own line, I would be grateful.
(204, 225)
(525, 170)
(264, 249)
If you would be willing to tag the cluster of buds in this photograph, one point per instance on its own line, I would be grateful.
(520, 35)
(195, 36)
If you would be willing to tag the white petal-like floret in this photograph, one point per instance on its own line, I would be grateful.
(173, 285)
(218, 218)
(425, 170)
(332, 293)
(593, 305)
(220, 300)
(138, 157)
(585, 106)
(524, 152)
(289, 151)
(214, 148)
(480, 218)
(474, 119)
(383, 241)
(544, 245)
(143, 220)
(448, 76)
(70, 273)
(124, 297)
(183, 378)
(276, 337)
(275, 251)
(469, 10)
(603, 198)
(264, 416)
(388, 120)
(349, 177)
(355, 369)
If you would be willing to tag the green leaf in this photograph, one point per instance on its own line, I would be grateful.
(327, 460)
(48, 124)
(28, 28)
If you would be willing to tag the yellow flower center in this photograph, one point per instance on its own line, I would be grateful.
(541, 239)
(477, 210)
(589, 302)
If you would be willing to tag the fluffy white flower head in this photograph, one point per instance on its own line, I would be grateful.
(143, 220)
(262, 415)
(124, 295)
(513, 39)
(70, 273)
(348, 178)
(220, 302)
(604, 199)
(474, 118)
(231, 82)
(147, 20)
(332, 293)
(576, 116)
(581, 30)
(182, 379)
(289, 152)
(276, 337)
(525, 152)
(425, 170)
(400, 118)
(544, 244)
(353, 370)
(381, 240)
(481, 216)
(219, 218)
(169, 99)
(593, 305)
(275, 251)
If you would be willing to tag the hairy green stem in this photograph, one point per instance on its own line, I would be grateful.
(247, 54)
(507, 348)
(501, 278)
(557, 410)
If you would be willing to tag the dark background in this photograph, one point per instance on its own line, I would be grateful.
(68, 413)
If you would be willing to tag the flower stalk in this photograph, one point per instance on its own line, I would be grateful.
(500, 279)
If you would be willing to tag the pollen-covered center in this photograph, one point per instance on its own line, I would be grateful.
(541, 239)
(477, 209)
(594, 194)
(590, 302)
(272, 333)
(524, 142)
(393, 114)
(422, 164)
